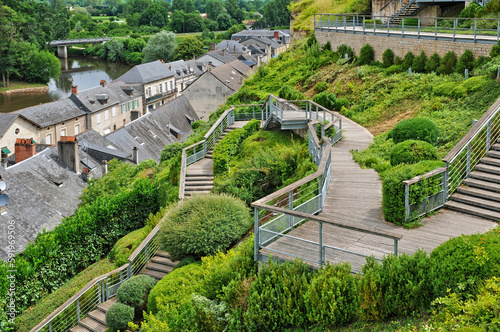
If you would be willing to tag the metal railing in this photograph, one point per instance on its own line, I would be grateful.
(100, 289)
(476, 30)
(460, 161)
(161, 95)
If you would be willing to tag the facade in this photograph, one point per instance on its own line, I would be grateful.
(185, 72)
(12, 127)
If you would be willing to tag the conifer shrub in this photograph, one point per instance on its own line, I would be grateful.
(407, 61)
(419, 63)
(411, 152)
(325, 99)
(420, 129)
(320, 87)
(134, 293)
(327, 47)
(495, 50)
(366, 55)
(343, 49)
(311, 40)
(466, 61)
(433, 64)
(388, 58)
(118, 316)
(290, 93)
(204, 225)
(448, 63)
(398, 61)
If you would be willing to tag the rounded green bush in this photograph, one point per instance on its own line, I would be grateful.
(411, 152)
(134, 292)
(204, 225)
(408, 61)
(325, 99)
(320, 87)
(290, 93)
(433, 63)
(388, 58)
(420, 129)
(118, 316)
(366, 55)
(394, 69)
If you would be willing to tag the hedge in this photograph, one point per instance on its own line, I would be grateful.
(134, 293)
(420, 129)
(411, 152)
(118, 316)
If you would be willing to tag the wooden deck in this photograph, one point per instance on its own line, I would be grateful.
(355, 196)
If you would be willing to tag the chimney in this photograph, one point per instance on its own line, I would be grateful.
(103, 83)
(170, 67)
(276, 34)
(234, 51)
(24, 149)
(86, 175)
(74, 89)
(135, 155)
(67, 151)
(212, 46)
(224, 52)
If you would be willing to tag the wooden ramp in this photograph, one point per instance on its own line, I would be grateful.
(355, 196)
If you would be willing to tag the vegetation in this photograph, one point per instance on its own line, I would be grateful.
(134, 293)
(118, 316)
(160, 47)
(421, 129)
(411, 152)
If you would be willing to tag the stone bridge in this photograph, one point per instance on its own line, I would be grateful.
(62, 45)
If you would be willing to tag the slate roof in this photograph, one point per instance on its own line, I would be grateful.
(230, 76)
(259, 33)
(247, 57)
(146, 73)
(182, 68)
(232, 46)
(48, 114)
(6, 120)
(218, 55)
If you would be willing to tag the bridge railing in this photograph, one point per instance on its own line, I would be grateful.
(460, 161)
(482, 30)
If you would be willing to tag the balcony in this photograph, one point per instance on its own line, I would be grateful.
(161, 95)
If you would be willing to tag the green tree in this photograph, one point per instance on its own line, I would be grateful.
(234, 10)
(419, 63)
(388, 58)
(155, 15)
(213, 9)
(277, 13)
(408, 61)
(160, 47)
(43, 66)
(448, 63)
(78, 26)
(115, 49)
(466, 61)
(433, 63)
(189, 47)
(224, 21)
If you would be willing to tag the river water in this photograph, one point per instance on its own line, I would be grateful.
(86, 73)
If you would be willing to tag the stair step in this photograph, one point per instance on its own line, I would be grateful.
(485, 176)
(106, 305)
(98, 315)
(476, 202)
(482, 184)
(155, 274)
(162, 253)
(493, 154)
(199, 183)
(490, 161)
(159, 267)
(79, 328)
(488, 214)
(93, 325)
(198, 188)
(199, 177)
(488, 169)
(164, 261)
(191, 193)
(496, 146)
(487, 194)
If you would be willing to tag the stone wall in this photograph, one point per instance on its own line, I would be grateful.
(400, 46)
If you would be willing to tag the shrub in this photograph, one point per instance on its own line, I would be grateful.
(343, 49)
(320, 87)
(327, 47)
(420, 129)
(118, 316)
(408, 61)
(450, 89)
(448, 63)
(466, 61)
(311, 40)
(393, 189)
(290, 93)
(124, 247)
(325, 99)
(208, 315)
(411, 152)
(394, 69)
(419, 63)
(171, 151)
(185, 261)
(134, 293)
(204, 225)
(433, 63)
(366, 55)
(388, 58)
(398, 60)
(331, 298)
(341, 102)
(495, 50)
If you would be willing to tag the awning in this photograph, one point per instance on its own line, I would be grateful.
(5, 150)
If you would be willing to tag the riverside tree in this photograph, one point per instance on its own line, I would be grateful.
(161, 46)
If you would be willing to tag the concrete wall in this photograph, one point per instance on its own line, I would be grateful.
(26, 130)
(110, 120)
(400, 46)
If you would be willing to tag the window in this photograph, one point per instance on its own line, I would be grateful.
(166, 89)
(169, 85)
(160, 87)
(49, 139)
(98, 118)
(154, 91)
(148, 92)
(17, 131)
(123, 109)
(63, 132)
(113, 112)
(106, 115)
(77, 129)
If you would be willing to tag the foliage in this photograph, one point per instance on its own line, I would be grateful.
(42, 67)
(433, 63)
(204, 225)
(419, 63)
(331, 298)
(393, 189)
(407, 61)
(114, 49)
(161, 46)
(394, 69)
(343, 49)
(134, 292)
(411, 152)
(320, 87)
(125, 246)
(366, 55)
(277, 13)
(290, 93)
(118, 316)
(207, 314)
(388, 58)
(326, 99)
(448, 63)
(495, 50)
(466, 61)
(326, 47)
(421, 129)
(189, 47)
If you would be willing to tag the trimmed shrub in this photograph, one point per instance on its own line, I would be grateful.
(466, 61)
(134, 293)
(495, 50)
(331, 297)
(419, 63)
(290, 93)
(320, 87)
(118, 316)
(343, 49)
(411, 152)
(420, 129)
(125, 246)
(204, 225)
(448, 63)
(366, 55)
(388, 58)
(393, 189)
(433, 63)
(394, 69)
(325, 99)
(408, 61)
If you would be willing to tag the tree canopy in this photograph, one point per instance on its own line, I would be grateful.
(160, 47)
(189, 47)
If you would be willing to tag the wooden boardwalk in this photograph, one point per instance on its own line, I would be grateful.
(355, 197)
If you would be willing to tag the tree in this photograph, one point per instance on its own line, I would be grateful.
(155, 15)
(43, 66)
(448, 63)
(213, 9)
(419, 63)
(276, 12)
(388, 58)
(115, 49)
(433, 63)
(224, 21)
(78, 26)
(189, 47)
(160, 47)
(234, 10)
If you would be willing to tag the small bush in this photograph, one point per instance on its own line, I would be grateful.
(126, 245)
(311, 40)
(420, 129)
(466, 61)
(185, 261)
(433, 63)
(134, 293)
(171, 151)
(398, 60)
(419, 63)
(325, 99)
(411, 152)
(118, 316)
(341, 102)
(366, 55)
(448, 63)
(495, 50)
(327, 47)
(320, 87)
(290, 93)
(388, 58)
(394, 69)
(343, 49)
(407, 61)
(204, 225)
(450, 89)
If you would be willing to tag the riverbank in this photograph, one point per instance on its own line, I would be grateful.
(24, 87)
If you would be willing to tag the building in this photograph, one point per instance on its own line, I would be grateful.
(185, 72)
(280, 35)
(12, 127)
(155, 80)
(216, 58)
(272, 47)
(211, 89)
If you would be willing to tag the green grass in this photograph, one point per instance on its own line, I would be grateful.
(51, 302)
(15, 85)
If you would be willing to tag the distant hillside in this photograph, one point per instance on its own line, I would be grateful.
(303, 11)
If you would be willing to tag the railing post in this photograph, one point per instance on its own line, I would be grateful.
(445, 185)
(488, 135)
(475, 30)
(364, 27)
(320, 244)
(107, 289)
(129, 270)
(324, 114)
(407, 202)
(336, 23)
(320, 190)
(353, 24)
(50, 326)
(256, 234)
(396, 247)
(317, 114)
(253, 111)
(78, 309)
(454, 28)
(328, 22)
(204, 147)
(498, 30)
(290, 206)
(468, 159)
(403, 25)
(418, 33)
(435, 28)
(146, 246)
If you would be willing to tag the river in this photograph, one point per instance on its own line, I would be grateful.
(86, 73)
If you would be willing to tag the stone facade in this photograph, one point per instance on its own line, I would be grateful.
(400, 46)
(20, 128)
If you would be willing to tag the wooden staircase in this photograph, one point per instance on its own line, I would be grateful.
(480, 192)
(159, 266)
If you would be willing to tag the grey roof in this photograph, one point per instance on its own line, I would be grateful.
(101, 97)
(249, 63)
(6, 120)
(247, 57)
(48, 114)
(259, 33)
(229, 75)
(261, 42)
(219, 55)
(182, 69)
(199, 66)
(232, 46)
(146, 73)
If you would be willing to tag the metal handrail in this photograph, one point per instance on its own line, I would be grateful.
(401, 11)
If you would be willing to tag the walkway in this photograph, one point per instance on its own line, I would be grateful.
(355, 197)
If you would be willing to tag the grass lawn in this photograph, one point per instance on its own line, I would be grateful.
(14, 85)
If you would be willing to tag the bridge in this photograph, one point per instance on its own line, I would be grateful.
(62, 45)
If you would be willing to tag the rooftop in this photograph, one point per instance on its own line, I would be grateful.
(146, 73)
(48, 114)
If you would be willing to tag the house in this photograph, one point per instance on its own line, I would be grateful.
(184, 72)
(281, 35)
(271, 47)
(211, 89)
(241, 51)
(155, 80)
(12, 127)
(216, 58)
